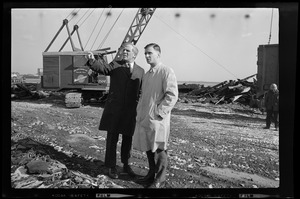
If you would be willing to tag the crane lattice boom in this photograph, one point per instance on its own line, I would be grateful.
(137, 27)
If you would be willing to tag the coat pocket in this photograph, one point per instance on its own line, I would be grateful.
(156, 113)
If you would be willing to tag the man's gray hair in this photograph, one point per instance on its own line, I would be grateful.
(134, 48)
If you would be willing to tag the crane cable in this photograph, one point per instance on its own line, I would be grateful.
(271, 27)
(73, 15)
(197, 48)
(70, 13)
(100, 29)
(103, 41)
(87, 17)
(94, 28)
(82, 16)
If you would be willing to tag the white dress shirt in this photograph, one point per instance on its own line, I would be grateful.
(130, 65)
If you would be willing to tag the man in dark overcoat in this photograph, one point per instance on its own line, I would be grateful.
(119, 115)
(272, 106)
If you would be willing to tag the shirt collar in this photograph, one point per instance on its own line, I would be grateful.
(130, 64)
(153, 69)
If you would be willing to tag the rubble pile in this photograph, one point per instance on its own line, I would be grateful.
(240, 90)
(32, 167)
(27, 91)
(71, 98)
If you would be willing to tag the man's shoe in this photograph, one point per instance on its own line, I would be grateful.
(113, 173)
(127, 169)
(266, 127)
(156, 185)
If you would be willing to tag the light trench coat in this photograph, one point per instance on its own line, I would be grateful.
(158, 97)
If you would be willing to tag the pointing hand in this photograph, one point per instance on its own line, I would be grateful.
(90, 56)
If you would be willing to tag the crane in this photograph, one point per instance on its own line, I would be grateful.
(137, 27)
(67, 70)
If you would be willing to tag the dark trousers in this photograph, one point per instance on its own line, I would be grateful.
(272, 115)
(158, 163)
(111, 149)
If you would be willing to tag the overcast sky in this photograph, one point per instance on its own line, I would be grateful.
(200, 44)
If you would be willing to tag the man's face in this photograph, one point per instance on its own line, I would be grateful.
(128, 54)
(151, 55)
(273, 87)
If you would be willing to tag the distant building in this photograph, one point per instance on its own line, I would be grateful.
(36, 79)
(15, 74)
(27, 78)
(16, 78)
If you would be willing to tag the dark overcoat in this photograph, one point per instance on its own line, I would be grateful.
(119, 114)
(272, 100)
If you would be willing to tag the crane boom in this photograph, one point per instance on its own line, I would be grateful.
(137, 27)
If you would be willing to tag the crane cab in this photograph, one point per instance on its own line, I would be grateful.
(68, 70)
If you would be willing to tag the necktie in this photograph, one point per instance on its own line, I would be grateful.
(128, 66)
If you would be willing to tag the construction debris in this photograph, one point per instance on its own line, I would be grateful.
(27, 91)
(241, 91)
(32, 168)
(71, 98)
(230, 91)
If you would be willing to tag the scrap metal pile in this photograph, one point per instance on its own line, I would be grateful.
(240, 90)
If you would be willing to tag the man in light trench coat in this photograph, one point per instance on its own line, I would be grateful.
(119, 114)
(159, 95)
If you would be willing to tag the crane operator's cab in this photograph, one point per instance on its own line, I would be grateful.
(68, 70)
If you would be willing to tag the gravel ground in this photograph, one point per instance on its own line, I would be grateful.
(210, 146)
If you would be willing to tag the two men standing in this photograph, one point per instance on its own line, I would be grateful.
(146, 116)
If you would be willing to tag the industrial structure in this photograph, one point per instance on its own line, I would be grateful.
(267, 67)
(67, 69)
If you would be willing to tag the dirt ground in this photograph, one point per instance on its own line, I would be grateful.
(210, 146)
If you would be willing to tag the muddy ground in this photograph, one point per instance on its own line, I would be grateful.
(210, 146)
